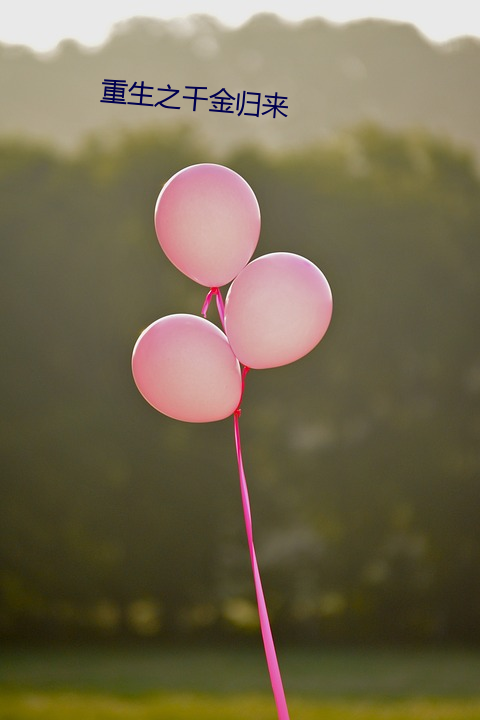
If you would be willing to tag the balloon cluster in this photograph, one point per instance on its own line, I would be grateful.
(277, 308)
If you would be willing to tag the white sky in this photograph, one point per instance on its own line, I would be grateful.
(41, 24)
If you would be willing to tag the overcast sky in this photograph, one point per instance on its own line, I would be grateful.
(41, 24)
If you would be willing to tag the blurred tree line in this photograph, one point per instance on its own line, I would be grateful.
(363, 458)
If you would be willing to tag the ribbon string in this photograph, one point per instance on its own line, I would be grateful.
(208, 299)
(220, 306)
(270, 653)
(268, 644)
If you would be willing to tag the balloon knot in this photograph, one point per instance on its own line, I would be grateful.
(238, 412)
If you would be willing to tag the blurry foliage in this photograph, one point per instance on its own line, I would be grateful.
(363, 458)
(340, 75)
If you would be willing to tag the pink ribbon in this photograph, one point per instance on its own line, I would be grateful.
(220, 306)
(268, 644)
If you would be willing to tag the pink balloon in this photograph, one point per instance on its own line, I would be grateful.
(207, 221)
(277, 309)
(183, 366)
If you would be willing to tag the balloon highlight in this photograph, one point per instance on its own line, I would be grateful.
(277, 310)
(207, 221)
(184, 367)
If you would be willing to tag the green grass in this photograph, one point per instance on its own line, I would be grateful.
(78, 706)
(232, 684)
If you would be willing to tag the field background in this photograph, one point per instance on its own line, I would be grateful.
(231, 683)
(125, 583)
